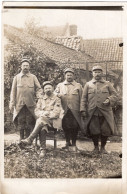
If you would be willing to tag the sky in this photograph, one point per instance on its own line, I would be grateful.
(90, 24)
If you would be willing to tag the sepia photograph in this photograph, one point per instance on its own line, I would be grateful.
(63, 91)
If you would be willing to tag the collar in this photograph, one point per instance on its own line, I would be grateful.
(69, 83)
(50, 97)
(101, 80)
(22, 74)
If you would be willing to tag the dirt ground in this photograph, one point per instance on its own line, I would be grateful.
(85, 145)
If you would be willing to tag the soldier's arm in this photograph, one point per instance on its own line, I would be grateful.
(84, 99)
(37, 110)
(13, 94)
(57, 91)
(113, 94)
(57, 109)
(38, 88)
(80, 92)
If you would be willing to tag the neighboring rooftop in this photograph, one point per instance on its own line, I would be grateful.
(104, 49)
(60, 54)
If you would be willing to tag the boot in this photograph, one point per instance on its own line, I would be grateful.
(95, 139)
(103, 143)
(96, 150)
(67, 145)
(42, 153)
(42, 137)
(103, 151)
(21, 134)
(29, 140)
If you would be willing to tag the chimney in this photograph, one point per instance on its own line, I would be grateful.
(73, 30)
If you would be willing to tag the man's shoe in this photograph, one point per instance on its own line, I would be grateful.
(96, 150)
(73, 149)
(42, 153)
(103, 151)
(26, 141)
(66, 146)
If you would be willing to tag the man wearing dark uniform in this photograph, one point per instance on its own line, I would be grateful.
(70, 93)
(97, 101)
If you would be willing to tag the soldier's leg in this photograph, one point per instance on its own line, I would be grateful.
(105, 133)
(39, 124)
(67, 130)
(42, 137)
(21, 123)
(30, 123)
(74, 130)
(95, 131)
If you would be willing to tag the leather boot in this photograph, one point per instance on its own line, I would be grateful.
(42, 153)
(95, 139)
(27, 141)
(42, 137)
(103, 143)
(96, 150)
(67, 145)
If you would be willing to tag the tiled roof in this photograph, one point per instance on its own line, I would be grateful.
(57, 53)
(104, 49)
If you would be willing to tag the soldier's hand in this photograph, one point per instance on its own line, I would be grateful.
(45, 114)
(59, 95)
(84, 115)
(106, 102)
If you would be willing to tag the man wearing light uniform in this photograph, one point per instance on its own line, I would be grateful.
(25, 89)
(47, 115)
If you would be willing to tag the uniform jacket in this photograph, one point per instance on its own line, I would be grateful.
(94, 94)
(72, 99)
(52, 106)
(24, 90)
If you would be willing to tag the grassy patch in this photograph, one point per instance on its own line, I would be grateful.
(26, 163)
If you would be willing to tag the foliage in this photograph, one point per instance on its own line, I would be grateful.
(31, 25)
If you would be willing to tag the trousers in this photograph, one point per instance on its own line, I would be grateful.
(26, 122)
(70, 127)
(99, 126)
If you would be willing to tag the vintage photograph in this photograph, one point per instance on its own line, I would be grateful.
(63, 85)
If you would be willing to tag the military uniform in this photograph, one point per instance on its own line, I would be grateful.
(25, 88)
(70, 94)
(100, 119)
(47, 113)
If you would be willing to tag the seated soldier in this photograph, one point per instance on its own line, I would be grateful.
(47, 112)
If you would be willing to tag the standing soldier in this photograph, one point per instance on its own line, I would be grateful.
(96, 105)
(22, 99)
(70, 93)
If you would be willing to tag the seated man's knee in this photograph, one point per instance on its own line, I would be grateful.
(39, 122)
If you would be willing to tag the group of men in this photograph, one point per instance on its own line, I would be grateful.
(36, 109)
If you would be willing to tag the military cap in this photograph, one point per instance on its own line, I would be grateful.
(47, 83)
(25, 60)
(98, 67)
(69, 70)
